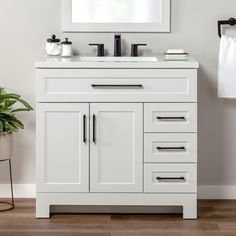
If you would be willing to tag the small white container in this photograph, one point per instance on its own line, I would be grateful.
(5, 146)
(53, 46)
(67, 50)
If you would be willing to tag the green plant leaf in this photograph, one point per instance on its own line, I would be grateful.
(20, 109)
(8, 119)
(26, 104)
(17, 123)
(7, 113)
(8, 103)
(9, 95)
(1, 126)
(10, 128)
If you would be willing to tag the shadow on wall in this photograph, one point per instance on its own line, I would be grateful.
(217, 133)
(210, 129)
(227, 133)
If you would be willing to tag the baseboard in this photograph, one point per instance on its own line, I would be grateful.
(216, 192)
(204, 191)
(20, 190)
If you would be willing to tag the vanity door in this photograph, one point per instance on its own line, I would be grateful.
(116, 150)
(63, 147)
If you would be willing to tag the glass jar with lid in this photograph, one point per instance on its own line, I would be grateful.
(53, 46)
(67, 50)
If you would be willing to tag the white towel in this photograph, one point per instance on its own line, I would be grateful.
(227, 68)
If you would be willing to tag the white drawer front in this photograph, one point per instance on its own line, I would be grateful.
(170, 117)
(170, 178)
(170, 147)
(126, 85)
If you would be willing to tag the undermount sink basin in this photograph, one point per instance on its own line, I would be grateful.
(117, 59)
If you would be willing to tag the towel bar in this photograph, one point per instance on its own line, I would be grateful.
(231, 22)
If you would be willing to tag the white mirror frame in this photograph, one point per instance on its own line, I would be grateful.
(68, 26)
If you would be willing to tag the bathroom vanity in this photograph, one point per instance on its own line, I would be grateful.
(116, 134)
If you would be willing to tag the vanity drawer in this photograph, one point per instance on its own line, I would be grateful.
(170, 117)
(170, 147)
(116, 85)
(174, 178)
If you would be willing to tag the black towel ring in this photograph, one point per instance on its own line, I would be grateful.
(231, 22)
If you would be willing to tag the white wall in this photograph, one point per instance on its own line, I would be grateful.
(25, 25)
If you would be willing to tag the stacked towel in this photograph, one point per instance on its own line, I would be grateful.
(227, 68)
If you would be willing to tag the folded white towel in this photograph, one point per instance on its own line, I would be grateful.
(227, 68)
(175, 51)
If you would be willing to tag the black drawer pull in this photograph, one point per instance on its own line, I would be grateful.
(171, 178)
(171, 148)
(171, 118)
(117, 86)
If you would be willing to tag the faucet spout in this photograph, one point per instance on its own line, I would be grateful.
(117, 45)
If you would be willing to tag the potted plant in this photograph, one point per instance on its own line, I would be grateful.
(10, 105)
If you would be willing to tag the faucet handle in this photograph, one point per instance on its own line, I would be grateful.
(101, 50)
(134, 49)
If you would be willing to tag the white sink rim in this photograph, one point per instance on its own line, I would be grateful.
(116, 59)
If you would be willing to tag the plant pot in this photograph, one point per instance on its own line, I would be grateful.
(5, 146)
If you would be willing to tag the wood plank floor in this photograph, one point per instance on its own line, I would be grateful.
(216, 218)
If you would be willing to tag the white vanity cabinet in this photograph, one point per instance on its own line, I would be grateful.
(115, 144)
(117, 134)
(116, 149)
(63, 154)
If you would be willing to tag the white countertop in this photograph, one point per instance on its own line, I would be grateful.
(73, 63)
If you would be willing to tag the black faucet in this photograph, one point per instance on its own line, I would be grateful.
(117, 45)
(134, 49)
(101, 49)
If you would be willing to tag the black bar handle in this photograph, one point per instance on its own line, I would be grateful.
(115, 86)
(100, 50)
(134, 49)
(94, 129)
(170, 178)
(84, 129)
(171, 148)
(171, 117)
(231, 22)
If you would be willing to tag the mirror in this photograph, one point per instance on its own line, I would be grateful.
(116, 16)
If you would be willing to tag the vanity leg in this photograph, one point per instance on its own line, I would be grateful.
(42, 209)
(190, 209)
